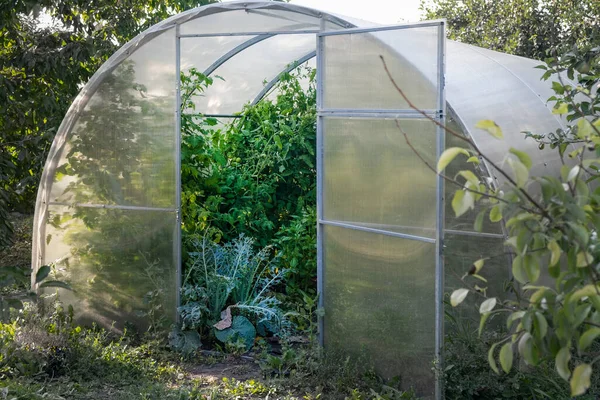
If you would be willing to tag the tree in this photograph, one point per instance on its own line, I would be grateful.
(528, 28)
(42, 68)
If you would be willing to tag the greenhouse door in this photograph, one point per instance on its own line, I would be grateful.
(380, 209)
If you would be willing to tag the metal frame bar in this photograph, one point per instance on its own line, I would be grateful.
(375, 114)
(349, 31)
(236, 50)
(177, 242)
(277, 78)
(440, 217)
(259, 33)
(340, 224)
(319, 154)
(214, 115)
(111, 206)
(390, 112)
(474, 234)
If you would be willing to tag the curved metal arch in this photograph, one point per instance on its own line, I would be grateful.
(292, 66)
(236, 50)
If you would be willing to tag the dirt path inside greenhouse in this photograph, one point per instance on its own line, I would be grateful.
(241, 369)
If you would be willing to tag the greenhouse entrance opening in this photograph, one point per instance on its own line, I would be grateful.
(379, 208)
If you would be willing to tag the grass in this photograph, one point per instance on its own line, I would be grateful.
(48, 357)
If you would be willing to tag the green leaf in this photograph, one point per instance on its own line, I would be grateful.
(478, 265)
(526, 268)
(532, 267)
(520, 171)
(469, 177)
(580, 382)
(573, 173)
(586, 291)
(491, 359)
(584, 129)
(562, 363)
(277, 140)
(496, 213)
(555, 252)
(448, 155)
(584, 259)
(513, 317)
(478, 225)
(518, 269)
(561, 108)
(462, 202)
(42, 273)
(487, 306)
(526, 349)
(240, 328)
(506, 357)
(490, 127)
(541, 326)
(523, 157)
(458, 296)
(482, 321)
(588, 338)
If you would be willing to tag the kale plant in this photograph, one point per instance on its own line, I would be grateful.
(230, 286)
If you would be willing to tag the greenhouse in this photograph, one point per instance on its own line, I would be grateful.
(388, 245)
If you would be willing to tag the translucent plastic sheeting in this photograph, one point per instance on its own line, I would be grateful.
(373, 178)
(482, 85)
(250, 20)
(119, 264)
(380, 303)
(459, 255)
(105, 215)
(201, 53)
(245, 74)
(121, 148)
(355, 77)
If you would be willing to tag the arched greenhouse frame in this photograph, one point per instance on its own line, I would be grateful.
(387, 248)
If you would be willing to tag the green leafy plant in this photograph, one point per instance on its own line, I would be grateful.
(231, 278)
(256, 175)
(14, 300)
(552, 222)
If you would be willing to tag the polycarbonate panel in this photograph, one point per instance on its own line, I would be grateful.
(482, 85)
(240, 21)
(118, 262)
(121, 148)
(355, 78)
(380, 303)
(245, 74)
(200, 53)
(373, 178)
(460, 252)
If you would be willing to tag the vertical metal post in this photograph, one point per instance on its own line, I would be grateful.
(440, 218)
(177, 241)
(320, 266)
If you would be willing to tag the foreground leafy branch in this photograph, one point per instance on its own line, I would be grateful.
(552, 225)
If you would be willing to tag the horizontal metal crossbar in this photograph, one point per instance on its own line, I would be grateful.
(474, 234)
(422, 24)
(366, 113)
(112, 207)
(274, 33)
(378, 231)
